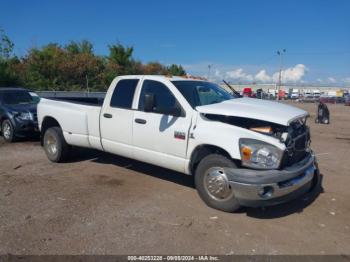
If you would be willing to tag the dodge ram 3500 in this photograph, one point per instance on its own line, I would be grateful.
(241, 151)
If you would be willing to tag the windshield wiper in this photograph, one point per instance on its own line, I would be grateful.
(232, 89)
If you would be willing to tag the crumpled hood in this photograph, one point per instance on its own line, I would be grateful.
(270, 111)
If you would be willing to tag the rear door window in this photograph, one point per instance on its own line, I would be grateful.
(124, 93)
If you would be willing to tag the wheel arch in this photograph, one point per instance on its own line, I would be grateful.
(2, 119)
(6, 117)
(9, 118)
(48, 122)
(204, 150)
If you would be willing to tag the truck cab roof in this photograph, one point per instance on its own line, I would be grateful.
(163, 77)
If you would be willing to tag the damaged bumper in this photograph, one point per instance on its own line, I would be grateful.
(270, 187)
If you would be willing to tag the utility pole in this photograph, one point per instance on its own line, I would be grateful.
(209, 68)
(280, 54)
(87, 83)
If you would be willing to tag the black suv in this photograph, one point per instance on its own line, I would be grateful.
(18, 113)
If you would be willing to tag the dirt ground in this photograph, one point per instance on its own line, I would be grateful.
(103, 204)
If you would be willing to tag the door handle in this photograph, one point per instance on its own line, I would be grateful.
(107, 115)
(140, 121)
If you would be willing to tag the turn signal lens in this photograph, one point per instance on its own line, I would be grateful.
(246, 153)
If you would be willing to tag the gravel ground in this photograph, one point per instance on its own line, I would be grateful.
(103, 204)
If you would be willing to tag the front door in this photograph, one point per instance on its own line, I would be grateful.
(158, 137)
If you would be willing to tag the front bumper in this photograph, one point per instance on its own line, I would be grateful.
(270, 187)
(25, 127)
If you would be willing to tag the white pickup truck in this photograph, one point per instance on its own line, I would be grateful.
(241, 151)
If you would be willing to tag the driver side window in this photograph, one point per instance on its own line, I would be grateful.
(164, 100)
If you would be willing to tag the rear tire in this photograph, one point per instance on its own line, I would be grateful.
(212, 184)
(55, 146)
(8, 131)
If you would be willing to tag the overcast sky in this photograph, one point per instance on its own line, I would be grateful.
(238, 38)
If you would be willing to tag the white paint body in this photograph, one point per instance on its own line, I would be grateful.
(154, 142)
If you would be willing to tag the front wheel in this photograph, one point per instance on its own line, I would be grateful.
(55, 146)
(212, 183)
(8, 131)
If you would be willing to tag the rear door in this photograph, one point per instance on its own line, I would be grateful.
(161, 138)
(117, 115)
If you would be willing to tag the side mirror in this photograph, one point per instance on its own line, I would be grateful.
(175, 111)
(149, 102)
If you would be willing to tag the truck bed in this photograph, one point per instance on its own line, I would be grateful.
(89, 101)
(78, 118)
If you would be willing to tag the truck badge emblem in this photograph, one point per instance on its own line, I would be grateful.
(180, 135)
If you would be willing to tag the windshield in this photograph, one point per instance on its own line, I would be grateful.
(17, 97)
(199, 93)
(35, 97)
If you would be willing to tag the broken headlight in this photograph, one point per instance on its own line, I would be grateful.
(24, 116)
(258, 154)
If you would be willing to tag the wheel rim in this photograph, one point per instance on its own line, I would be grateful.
(216, 184)
(7, 131)
(51, 144)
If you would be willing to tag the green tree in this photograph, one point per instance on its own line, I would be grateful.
(155, 68)
(73, 66)
(42, 67)
(176, 70)
(6, 46)
(83, 47)
(8, 63)
(121, 55)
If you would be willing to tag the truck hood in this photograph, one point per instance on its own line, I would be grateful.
(270, 111)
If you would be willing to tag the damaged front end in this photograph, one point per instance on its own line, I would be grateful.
(296, 171)
(297, 140)
(295, 136)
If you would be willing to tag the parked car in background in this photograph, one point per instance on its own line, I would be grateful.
(18, 113)
(295, 94)
(271, 93)
(247, 92)
(347, 101)
(281, 94)
(316, 94)
(260, 94)
(327, 99)
(332, 99)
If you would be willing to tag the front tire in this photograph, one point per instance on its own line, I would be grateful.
(8, 131)
(55, 146)
(212, 184)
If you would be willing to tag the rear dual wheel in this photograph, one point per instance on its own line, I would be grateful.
(55, 146)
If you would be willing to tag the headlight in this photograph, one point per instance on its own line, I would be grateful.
(258, 154)
(24, 116)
